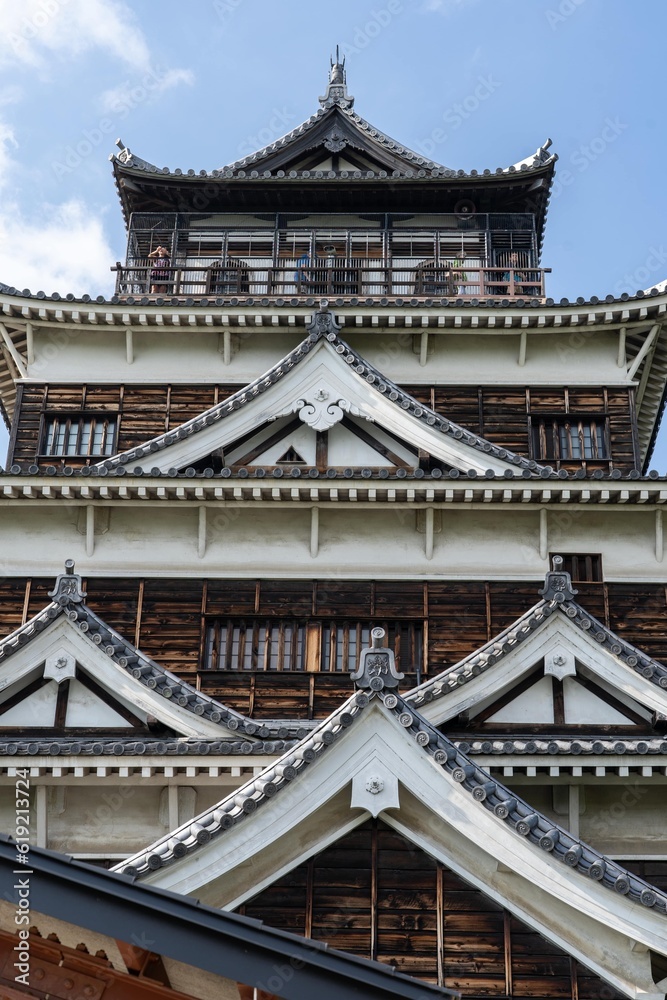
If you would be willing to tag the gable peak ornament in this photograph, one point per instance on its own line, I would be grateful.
(558, 584)
(323, 323)
(336, 92)
(68, 588)
(377, 665)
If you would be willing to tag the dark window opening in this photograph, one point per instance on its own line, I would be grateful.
(582, 567)
(316, 646)
(79, 435)
(570, 439)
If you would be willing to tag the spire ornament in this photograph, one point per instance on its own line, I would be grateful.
(377, 665)
(558, 584)
(336, 92)
(68, 588)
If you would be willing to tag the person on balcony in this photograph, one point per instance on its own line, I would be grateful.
(459, 276)
(160, 272)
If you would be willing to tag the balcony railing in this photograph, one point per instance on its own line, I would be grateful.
(356, 277)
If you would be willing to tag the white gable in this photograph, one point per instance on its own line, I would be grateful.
(532, 706)
(321, 388)
(85, 709)
(62, 641)
(36, 710)
(556, 638)
(376, 755)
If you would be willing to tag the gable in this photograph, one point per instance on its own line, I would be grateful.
(595, 677)
(542, 700)
(375, 892)
(335, 138)
(325, 385)
(386, 761)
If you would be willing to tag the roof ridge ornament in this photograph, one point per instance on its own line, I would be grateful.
(336, 92)
(68, 588)
(377, 665)
(323, 323)
(558, 584)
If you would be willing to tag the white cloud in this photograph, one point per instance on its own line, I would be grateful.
(150, 86)
(61, 248)
(446, 7)
(7, 140)
(33, 28)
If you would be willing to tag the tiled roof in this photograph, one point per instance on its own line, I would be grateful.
(555, 602)
(146, 746)
(68, 600)
(489, 794)
(529, 745)
(323, 326)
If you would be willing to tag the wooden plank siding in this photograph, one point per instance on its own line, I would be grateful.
(379, 896)
(168, 618)
(503, 416)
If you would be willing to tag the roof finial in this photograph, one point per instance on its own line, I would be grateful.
(336, 92)
(68, 588)
(558, 584)
(377, 665)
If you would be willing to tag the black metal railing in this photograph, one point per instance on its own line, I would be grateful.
(356, 277)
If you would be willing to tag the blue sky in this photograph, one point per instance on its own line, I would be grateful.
(471, 83)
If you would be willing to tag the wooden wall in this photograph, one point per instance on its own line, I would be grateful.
(167, 618)
(501, 415)
(376, 895)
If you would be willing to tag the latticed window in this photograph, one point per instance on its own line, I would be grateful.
(67, 434)
(583, 567)
(334, 647)
(570, 438)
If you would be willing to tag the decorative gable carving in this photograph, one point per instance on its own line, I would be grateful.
(325, 382)
(607, 680)
(376, 752)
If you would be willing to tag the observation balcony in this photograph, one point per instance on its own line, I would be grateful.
(439, 256)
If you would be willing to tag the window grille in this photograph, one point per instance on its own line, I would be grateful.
(570, 439)
(582, 567)
(79, 435)
(327, 646)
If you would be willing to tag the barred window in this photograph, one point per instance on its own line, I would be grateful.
(79, 435)
(570, 439)
(583, 567)
(330, 646)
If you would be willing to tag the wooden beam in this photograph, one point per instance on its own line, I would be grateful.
(314, 532)
(523, 345)
(544, 534)
(423, 349)
(659, 536)
(428, 532)
(90, 530)
(643, 351)
(129, 346)
(15, 356)
(30, 343)
(201, 534)
(622, 357)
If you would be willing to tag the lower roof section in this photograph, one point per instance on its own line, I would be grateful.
(219, 942)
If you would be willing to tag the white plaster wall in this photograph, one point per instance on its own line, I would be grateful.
(477, 542)
(108, 819)
(626, 819)
(194, 355)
